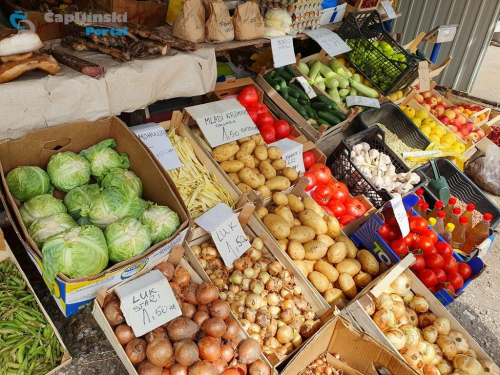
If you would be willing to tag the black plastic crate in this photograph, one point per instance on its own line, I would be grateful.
(397, 122)
(359, 30)
(462, 188)
(345, 171)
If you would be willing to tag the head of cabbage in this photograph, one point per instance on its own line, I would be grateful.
(48, 226)
(40, 206)
(81, 251)
(68, 170)
(118, 177)
(28, 182)
(126, 238)
(102, 158)
(161, 221)
(79, 199)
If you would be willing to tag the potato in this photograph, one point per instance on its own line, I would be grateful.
(281, 199)
(362, 279)
(319, 281)
(256, 161)
(313, 220)
(352, 250)
(326, 269)
(368, 262)
(234, 177)
(333, 226)
(290, 173)
(267, 169)
(244, 188)
(349, 266)
(257, 138)
(302, 267)
(326, 239)
(315, 250)
(262, 179)
(261, 212)
(278, 226)
(278, 164)
(232, 158)
(333, 295)
(337, 252)
(278, 183)
(301, 233)
(256, 171)
(286, 214)
(310, 204)
(224, 152)
(232, 166)
(247, 159)
(243, 140)
(260, 152)
(296, 222)
(283, 243)
(296, 250)
(310, 264)
(264, 191)
(274, 153)
(249, 177)
(295, 203)
(347, 285)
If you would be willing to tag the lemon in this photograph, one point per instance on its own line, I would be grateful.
(426, 129)
(417, 121)
(399, 94)
(409, 111)
(341, 60)
(435, 139)
(422, 114)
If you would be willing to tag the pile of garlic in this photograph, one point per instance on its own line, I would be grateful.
(379, 170)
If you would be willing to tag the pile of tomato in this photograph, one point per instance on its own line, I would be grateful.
(435, 264)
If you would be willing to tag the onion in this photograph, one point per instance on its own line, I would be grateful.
(384, 319)
(430, 370)
(176, 288)
(412, 317)
(259, 367)
(443, 326)
(426, 319)
(448, 346)
(411, 334)
(398, 309)
(113, 313)
(444, 367)
(408, 296)
(400, 286)
(384, 301)
(124, 334)
(430, 334)
(165, 371)
(227, 353)
(489, 367)
(233, 371)
(182, 277)
(167, 269)
(413, 357)
(439, 355)
(471, 353)
(402, 321)
(147, 368)
(188, 310)
(155, 333)
(284, 334)
(182, 329)
(202, 368)
(215, 327)
(396, 337)
(220, 365)
(219, 309)
(419, 304)
(309, 328)
(428, 353)
(469, 365)
(203, 308)
(200, 317)
(460, 342)
(241, 367)
(136, 351)
(186, 352)
(189, 294)
(232, 328)
(249, 351)
(207, 293)
(253, 301)
(160, 352)
(178, 369)
(209, 348)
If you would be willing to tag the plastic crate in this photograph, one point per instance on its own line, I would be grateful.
(345, 171)
(462, 188)
(397, 122)
(359, 30)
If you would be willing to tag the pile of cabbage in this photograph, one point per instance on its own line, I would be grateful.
(96, 222)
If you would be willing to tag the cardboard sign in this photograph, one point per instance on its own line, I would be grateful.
(400, 214)
(283, 51)
(307, 87)
(424, 83)
(148, 302)
(362, 101)
(292, 153)
(223, 121)
(155, 137)
(389, 10)
(227, 233)
(329, 41)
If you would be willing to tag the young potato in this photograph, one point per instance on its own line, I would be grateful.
(326, 239)
(247, 159)
(264, 191)
(278, 226)
(260, 152)
(315, 250)
(256, 161)
(225, 152)
(274, 153)
(333, 295)
(286, 214)
(234, 177)
(261, 212)
(296, 250)
(278, 164)
(232, 166)
(310, 204)
(257, 138)
(290, 173)
(347, 285)
(243, 140)
(296, 222)
(327, 269)
(313, 220)
(362, 279)
(281, 199)
(302, 233)
(244, 188)
(267, 169)
(319, 281)
(295, 203)
(231, 158)
(283, 243)
(349, 266)
(337, 252)
(352, 250)
(262, 179)
(249, 177)
(310, 264)
(368, 262)
(302, 267)
(278, 183)
(333, 226)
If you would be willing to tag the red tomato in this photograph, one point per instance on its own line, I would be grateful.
(346, 219)
(434, 261)
(354, 207)
(322, 173)
(440, 274)
(427, 277)
(432, 289)
(456, 280)
(328, 211)
(399, 248)
(450, 263)
(384, 231)
(312, 181)
(322, 194)
(282, 129)
(253, 113)
(419, 263)
(418, 225)
(339, 195)
(444, 248)
(261, 108)
(394, 233)
(337, 185)
(409, 239)
(248, 96)
(464, 270)
(268, 133)
(389, 217)
(264, 119)
(446, 285)
(423, 244)
(309, 159)
(431, 234)
(290, 136)
(337, 208)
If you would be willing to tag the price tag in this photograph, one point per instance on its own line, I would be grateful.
(283, 51)
(155, 137)
(226, 231)
(423, 76)
(292, 153)
(223, 121)
(307, 87)
(362, 101)
(148, 302)
(400, 214)
(389, 10)
(329, 41)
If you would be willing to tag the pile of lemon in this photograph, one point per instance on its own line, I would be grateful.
(396, 95)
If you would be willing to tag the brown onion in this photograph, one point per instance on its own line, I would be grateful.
(259, 367)
(188, 310)
(227, 353)
(136, 351)
(203, 308)
(182, 277)
(238, 365)
(165, 371)
(206, 293)
(182, 329)
(176, 288)
(113, 313)
(160, 352)
(147, 368)
(219, 309)
(200, 317)
(215, 327)
(155, 333)
(220, 365)
(249, 351)
(124, 334)
(232, 328)
(178, 369)
(167, 269)
(233, 371)
(426, 319)
(186, 352)
(210, 349)
(202, 368)
(189, 294)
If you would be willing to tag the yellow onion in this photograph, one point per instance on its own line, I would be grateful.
(419, 304)
(467, 364)
(408, 297)
(428, 354)
(396, 337)
(430, 334)
(442, 325)
(460, 341)
(403, 320)
(384, 319)
(412, 317)
(398, 309)
(439, 355)
(413, 357)
(400, 286)
(471, 353)
(384, 301)
(396, 298)
(448, 346)
(426, 319)
(430, 370)
(490, 367)
(368, 304)
(444, 367)
(411, 334)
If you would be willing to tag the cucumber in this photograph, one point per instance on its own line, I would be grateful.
(302, 102)
(300, 91)
(295, 105)
(310, 111)
(323, 122)
(320, 106)
(327, 116)
(290, 71)
(288, 77)
(293, 93)
(275, 85)
(278, 71)
(324, 99)
(283, 88)
(338, 114)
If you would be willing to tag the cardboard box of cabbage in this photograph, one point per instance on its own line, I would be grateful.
(110, 214)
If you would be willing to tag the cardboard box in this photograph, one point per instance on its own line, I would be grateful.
(332, 15)
(36, 148)
(148, 13)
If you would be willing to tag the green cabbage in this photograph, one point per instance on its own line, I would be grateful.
(126, 239)
(28, 182)
(68, 170)
(81, 251)
(161, 221)
(102, 158)
(118, 177)
(48, 226)
(79, 199)
(40, 206)
(84, 220)
(112, 204)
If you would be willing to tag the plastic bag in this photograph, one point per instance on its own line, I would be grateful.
(484, 171)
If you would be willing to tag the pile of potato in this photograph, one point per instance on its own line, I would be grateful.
(314, 242)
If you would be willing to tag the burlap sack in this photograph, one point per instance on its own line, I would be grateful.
(247, 21)
(190, 23)
(219, 28)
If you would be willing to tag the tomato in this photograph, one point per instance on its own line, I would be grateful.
(444, 248)
(399, 248)
(440, 274)
(261, 108)
(427, 277)
(337, 208)
(328, 211)
(431, 234)
(432, 289)
(264, 119)
(339, 195)
(419, 263)
(309, 159)
(337, 185)
(354, 207)
(322, 194)
(394, 233)
(446, 285)
(456, 280)
(248, 96)
(253, 113)
(450, 263)
(384, 231)
(464, 270)
(290, 136)
(282, 129)
(423, 244)
(268, 133)
(312, 181)
(409, 239)
(434, 261)
(390, 218)
(418, 225)
(322, 173)
(346, 219)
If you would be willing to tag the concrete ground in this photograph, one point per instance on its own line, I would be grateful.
(487, 85)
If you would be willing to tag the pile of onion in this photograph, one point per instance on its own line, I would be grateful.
(203, 341)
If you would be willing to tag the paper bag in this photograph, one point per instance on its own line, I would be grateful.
(247, 21)
(190, 23)
(219, 28)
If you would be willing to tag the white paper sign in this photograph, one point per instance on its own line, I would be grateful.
(389, 10)
(223, 121)
(148, 302)
(307, 87)
(399, 212)
(283, 51)
(424, 80)
(292, 153)
(155, 137)
(329, 41)
(226, 231)
(362, 101)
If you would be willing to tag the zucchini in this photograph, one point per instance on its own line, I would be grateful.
(353, 92)
(295, 105)
(338, 114)
(343, 81)
(275, 85)
(324, 99)
(327, 116)
(332, 83)
(364, 90)
(334, 93)
(339, 69)
(321, 85)
(304, 69)
(357, 78)
(320, 106)
(290, 71)
(326, 71)
(316, 66)
(343, 93)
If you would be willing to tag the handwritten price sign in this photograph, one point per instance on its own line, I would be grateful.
(283, 51)
(400, 214)
(329, 41)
